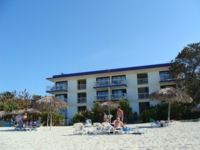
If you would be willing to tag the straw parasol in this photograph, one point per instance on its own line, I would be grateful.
(22, 111)
(108, 105)
(170, 95)
(49, 104)
(2, 114)
(196, 108)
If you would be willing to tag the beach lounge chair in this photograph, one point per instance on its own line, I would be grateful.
(157, 123)
(88, 123)
(98, 128)
(79, 128)
(108, 128)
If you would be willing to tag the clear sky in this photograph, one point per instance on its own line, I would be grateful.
(42, 38)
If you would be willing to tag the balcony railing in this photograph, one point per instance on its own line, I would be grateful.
(109, 83)
(142, 81)
(118, 96)
(102, 83)
(143, 95)
(167, 79)
(56, 88)
(82, 100)
(101, 97)
(64, 99)
(118, 82)
(81, 86)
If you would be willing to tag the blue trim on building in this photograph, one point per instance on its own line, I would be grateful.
(111, 70)
(173, 80)
(56, 91)
(97, 87)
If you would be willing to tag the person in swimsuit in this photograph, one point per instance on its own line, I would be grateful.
(118, 123)
(120, 113)
(24, 118)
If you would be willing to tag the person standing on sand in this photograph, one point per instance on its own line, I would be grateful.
(120, 113)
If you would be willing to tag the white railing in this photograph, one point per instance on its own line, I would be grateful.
(81, 86)
(162, 78)
(143, 95)
(102, 83)
(56, 88)
(82, 100)
(64, 99)
(142, 81)
(118, 96)
(109, 83)
(101, 97)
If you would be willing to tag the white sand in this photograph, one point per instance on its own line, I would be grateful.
(179, 136)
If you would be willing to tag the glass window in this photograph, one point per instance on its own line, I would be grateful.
(119, 77)
(104, 79)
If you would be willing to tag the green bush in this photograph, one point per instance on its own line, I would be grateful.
(96, 115)
(178, 111)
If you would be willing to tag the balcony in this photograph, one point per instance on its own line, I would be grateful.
(101, 97)
(82, 100)
(81, 86)
(167, 79)
(57, 88)
(143, 95)
(113, 83)
(142, 81)
(118, 96)
(113, 97)
(101, 84)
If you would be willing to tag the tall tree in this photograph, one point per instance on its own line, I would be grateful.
(186, 66)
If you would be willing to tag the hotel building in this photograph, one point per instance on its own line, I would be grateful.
(80, 90)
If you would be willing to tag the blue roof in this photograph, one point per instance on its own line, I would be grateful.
(111, 70)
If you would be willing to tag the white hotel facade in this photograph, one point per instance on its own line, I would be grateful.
(81, 90)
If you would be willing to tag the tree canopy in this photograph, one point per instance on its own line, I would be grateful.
(186, 67)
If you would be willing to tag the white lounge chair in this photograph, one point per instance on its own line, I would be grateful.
(98, 128)
(79, 128)
(108, 128)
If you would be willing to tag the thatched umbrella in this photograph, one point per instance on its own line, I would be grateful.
(49, 104)
(196, 108)
(2, 114)
(22, 111)
(170, 95)
(108, 105)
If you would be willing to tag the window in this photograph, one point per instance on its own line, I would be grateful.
(164, 76)
(143, 93)
(81, 108)
(142, 78)
(105, 81)
(62, 96)
(81, 97)
(81, 84)
(119, 79)
(123, 77)
(117, 94)
(61, 85)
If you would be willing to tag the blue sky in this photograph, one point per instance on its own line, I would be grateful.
(39, 39)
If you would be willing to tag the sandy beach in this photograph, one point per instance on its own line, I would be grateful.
(182, 135)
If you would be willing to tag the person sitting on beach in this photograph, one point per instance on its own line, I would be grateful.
(38, 123)
(118, 123)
